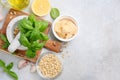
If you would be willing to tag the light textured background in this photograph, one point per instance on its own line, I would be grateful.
(95, 53)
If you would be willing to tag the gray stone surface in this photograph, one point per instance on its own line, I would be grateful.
(95, 53)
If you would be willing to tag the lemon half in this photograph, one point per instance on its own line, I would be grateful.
(41, 7)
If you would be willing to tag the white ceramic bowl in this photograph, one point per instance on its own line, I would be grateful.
(10, 29)
(60, 18)
(39, 59)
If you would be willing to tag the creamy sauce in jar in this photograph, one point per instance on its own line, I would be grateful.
(65, 28)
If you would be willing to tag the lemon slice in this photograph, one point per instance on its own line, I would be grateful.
(41, 7)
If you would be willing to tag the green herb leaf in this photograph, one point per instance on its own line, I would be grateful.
(5, 69)
(6, 42)
(32, 33)
(2, 64)
(26, 24)
(36, 45)
(54, 13)
(22, 30)
(38, 24)
(31, 18)
(35, 35)
(30, 53)
(13, 75)
(28, 34)
(41, 25)
(24, 41)
(44, 36)
(3, 37)
(9, 66)
(44, 26)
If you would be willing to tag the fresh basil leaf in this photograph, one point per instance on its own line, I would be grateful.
(30, 53)
(20, 27)
(31, 18)
(36, 45)
(38, 24)
(2, 63)
(26, 24)
(6, 44)
(22, 30)
(40, 46)
(24, 41)
(44, 26)
(41, 25)
(9, 66)
(44, 36)
(13, 75)
(7, 69)
(28, 34)
(3, 37)
(35, 35)
(54, 13)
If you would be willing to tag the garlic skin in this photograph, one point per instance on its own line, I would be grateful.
(22, 64)
(33, 68)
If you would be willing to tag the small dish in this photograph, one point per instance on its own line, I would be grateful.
(67, 18)
(10, 30)
(38, 63)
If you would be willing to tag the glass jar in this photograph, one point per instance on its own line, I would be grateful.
(16, 4)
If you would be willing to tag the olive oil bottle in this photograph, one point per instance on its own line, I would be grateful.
(18, 4)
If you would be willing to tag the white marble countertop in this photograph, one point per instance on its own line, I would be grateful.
(95, 53)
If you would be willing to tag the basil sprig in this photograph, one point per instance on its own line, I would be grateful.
(32, 34)
(7, 69)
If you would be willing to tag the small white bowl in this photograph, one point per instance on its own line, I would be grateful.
(60, 18)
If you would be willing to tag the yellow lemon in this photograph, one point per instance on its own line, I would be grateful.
(41, 7)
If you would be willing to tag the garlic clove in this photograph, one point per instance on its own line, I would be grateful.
(33, 68)
(22, 64)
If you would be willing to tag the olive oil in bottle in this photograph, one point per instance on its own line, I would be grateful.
(18, 4)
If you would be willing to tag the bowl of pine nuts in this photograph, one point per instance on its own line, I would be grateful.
(49, 65)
